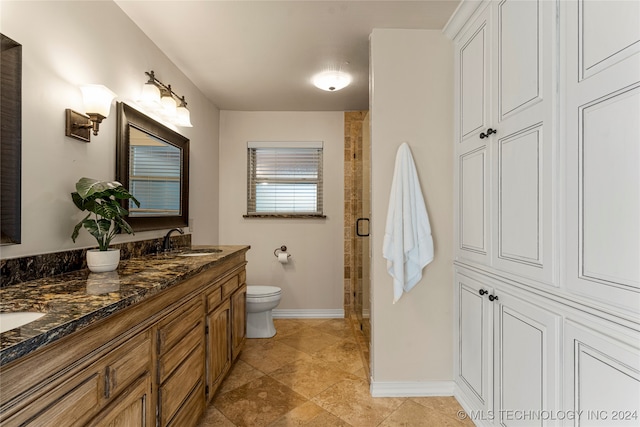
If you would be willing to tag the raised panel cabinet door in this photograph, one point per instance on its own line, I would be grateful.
(182, 386)
(527, 362)
(523, 180)
(238, 320)
(132, 408)
(472, 205)
(602, 106)
(602, 375)
(70, 403)
(473, 66)
(218, 346)
(474, 339)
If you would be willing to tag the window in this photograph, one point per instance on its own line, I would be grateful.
(154, 176)
(284, 179)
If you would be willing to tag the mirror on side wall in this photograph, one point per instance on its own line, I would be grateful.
(10, 140)
(152, 162)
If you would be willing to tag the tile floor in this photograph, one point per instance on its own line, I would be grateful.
(311, 374)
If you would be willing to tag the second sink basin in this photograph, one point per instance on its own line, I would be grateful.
(12, 320)
(199, 252)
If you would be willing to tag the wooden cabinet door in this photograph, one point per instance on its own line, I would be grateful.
(526, 360)
(132, 408)
(474, 339)
(218, 346)
(238, 320)
(181, 361)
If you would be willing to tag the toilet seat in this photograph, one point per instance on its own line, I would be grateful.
(262, 291)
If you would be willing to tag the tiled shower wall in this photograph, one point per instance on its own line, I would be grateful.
(353, 169)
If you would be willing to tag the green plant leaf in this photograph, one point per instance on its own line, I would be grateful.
(88, 186)
(76, 229)
(103, 199)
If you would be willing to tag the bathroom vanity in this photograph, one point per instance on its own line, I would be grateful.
(150, 350)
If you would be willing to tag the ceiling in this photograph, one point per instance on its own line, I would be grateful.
(261, 55)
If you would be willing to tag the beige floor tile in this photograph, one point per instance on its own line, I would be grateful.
(338, 327)
(412, 414)
(311, 374)
(309, 415)
(240, 374)
(448, 408)
(351, 401)
(309, 377)
(310, 340)
(214, 418)
(344, 355)
(286, 327)
(258, 403)
(271, 355)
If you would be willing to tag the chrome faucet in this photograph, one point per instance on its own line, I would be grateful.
(166, 244)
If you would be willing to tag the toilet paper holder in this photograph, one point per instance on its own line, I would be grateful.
(282, 248)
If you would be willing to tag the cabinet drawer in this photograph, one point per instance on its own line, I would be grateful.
(170, 361)
(176, 389)
(243, 276)
(71, 404)
(129, 362)
(180, 324)
(230, 285)
(189, 413)
(213, 299)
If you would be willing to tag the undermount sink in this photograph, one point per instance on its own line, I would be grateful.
(199, 252)
(12, 320)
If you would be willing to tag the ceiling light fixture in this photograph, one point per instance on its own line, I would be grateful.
(160, 99)
(331, 80)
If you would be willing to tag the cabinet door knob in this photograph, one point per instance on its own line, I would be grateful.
(488, 134)
(483, 292)
(493, 297)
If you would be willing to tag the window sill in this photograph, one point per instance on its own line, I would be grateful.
(285, 216)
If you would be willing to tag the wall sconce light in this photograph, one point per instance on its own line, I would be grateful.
(160, 99)
(97, 104)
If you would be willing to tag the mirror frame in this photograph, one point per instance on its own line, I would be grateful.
(128, 116)
(10, 141)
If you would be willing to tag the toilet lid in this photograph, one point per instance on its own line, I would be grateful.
(262, 291)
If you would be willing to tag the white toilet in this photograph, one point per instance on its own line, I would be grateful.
(260, 301)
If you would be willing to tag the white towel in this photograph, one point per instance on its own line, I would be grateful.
(408, 245)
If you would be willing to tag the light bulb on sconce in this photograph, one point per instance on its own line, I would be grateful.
(184, 117)
(150, 92)
(160, 99)
(97, 104)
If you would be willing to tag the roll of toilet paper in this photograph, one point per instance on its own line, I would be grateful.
(283, 258)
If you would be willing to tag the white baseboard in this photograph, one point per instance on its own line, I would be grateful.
(469, 408)
(308, 314)
(412, 389)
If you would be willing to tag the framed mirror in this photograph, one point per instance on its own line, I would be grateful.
(152, 162)
(10, 140)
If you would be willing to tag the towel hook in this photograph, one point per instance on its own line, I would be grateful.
(282, 248)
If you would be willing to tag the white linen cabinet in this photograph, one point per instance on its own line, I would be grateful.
(547, 205)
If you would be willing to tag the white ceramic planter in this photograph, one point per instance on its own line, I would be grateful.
(99, 261)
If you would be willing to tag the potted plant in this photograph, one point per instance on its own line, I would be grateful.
(104, 220)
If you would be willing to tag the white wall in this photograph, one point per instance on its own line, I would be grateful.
(412, 101)
(313, 278)
(64, 45)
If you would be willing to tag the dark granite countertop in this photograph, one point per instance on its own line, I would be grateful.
(73, 301)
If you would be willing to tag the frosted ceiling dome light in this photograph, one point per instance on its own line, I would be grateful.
(331, 81)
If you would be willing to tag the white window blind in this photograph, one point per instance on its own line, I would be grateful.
(154, 179)
(284, 178)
